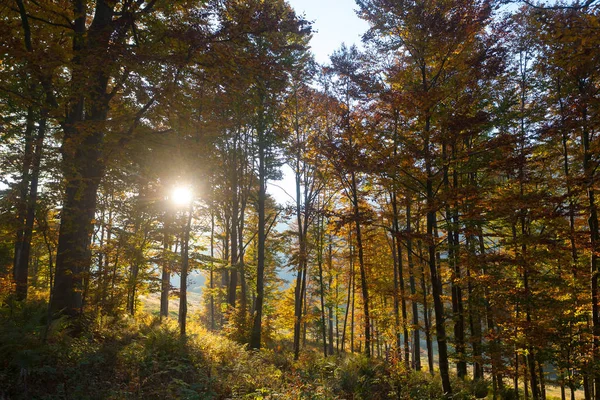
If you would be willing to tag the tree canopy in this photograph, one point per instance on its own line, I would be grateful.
(442, 211)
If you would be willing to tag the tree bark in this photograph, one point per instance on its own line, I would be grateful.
(416, 364)
(185, 247)
(436, 283)
(22, 265)
(83, 164)
(256, 334)
(166, 268)
(363, 270)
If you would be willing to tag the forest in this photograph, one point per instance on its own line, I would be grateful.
(439, 237)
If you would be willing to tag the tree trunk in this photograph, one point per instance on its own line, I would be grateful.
(212, 267)
(416, 364)
(350, 286)
(255, 336)
(399, 293)
(330, 307)
(363, 271)
(436, 283)
(426, 313)
(453, 248)
(592, 210)
(20, 268)
(83, 163)
(321, 283)
(398, 338)
(166, 269)
(302, 262)
(185, 248)
(232, 289)
(22, 265)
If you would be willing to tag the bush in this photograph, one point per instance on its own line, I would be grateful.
(143, 358)
(362, 378)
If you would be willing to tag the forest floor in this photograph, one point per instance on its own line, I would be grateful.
(142, 358)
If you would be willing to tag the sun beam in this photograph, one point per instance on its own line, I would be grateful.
(181, 195)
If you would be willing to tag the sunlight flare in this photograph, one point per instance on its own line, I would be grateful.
(181, 195)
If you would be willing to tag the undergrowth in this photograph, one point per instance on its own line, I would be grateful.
(143, 358)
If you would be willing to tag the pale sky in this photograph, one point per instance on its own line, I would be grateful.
(335, 22)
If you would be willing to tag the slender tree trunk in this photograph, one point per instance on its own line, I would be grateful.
(426, 314)
(453, 248)
(350, 286)
(19, 270)
(330, 306)
(337, 312)
(516, 360)
(232, 288)
(166, 270)
(352, 311)
(105, 278)
(589, 176)
(436, 283)
(321, 283)
(496, 358)
(213, 325)
(567, 173)
(413, 291)
(22, 266)
(542, 381)
(474, 317)
(131, 295)
(403, 302)
(20, 263)
(525, 380)
(305, 302)
(399, 292)
(255, 337)
(398, 336)
(241, 261)
(361, 263)
(184, 274)
(302, 262)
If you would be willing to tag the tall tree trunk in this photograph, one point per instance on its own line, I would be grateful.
(185, 249)
(22, 265)
(494, 349)
(255, 336)
(232, 289)
(453, 248)
(396, 295)
(165, 282)
(426, 313)
(572, 234)
(330, 306)
(302, 261)
(213, 326)
(361, 263)
(321, 283)
(474, 315)
(20, 269)
(31, 160)
(243, 309)
(416, 364)
(350, 286)
(436, 283)
(592, 210)
(403, 301)
(83, 163)
(399, 292)
(352, 311)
